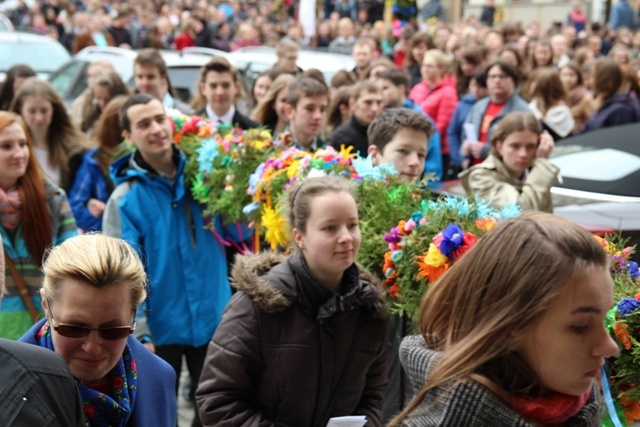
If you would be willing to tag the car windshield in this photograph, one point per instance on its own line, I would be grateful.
(602, 170)
(41, 57)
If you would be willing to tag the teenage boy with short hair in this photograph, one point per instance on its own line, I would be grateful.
(306, 108)
(219, 86)
(365, 104)
(401, 136)
(394, 85)
(152, 77)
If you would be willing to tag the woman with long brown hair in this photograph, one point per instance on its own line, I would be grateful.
(471, 59)
(513, 334)
(106, 86)
(580, 99)
(550, 103)
(616, 95)
(34, 214)
(92, 185)
(418, 45)
(58, 144)
(270, 110)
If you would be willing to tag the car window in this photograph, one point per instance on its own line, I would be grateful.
(64, 81)
(184, 81)
(594, 164)
(41, 57)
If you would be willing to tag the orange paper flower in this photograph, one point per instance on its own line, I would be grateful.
(430, 273)
(621, 331)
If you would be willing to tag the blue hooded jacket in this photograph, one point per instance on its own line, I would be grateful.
(88, 184)
(185, 263)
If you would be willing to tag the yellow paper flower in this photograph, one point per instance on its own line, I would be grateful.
(276, 225)
(346, 151)
(293, 169)
(434, 257)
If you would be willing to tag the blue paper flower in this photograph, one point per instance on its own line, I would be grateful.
(207, 154)
(627, 306)
(452, 238)
(633, 269)
(416, 216)
(254, 179)
(250, 208)
(365, 169)
(510, 210)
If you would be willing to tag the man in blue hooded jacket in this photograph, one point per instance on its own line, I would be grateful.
(186, 264)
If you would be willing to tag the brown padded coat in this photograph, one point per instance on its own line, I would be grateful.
(278, 354)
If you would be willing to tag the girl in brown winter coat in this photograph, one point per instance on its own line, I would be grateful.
(304, 338)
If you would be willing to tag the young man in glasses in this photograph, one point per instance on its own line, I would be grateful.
(486, 113)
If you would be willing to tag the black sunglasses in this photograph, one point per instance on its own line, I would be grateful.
(74, 331)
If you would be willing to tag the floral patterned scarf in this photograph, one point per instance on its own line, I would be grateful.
(10, 206)
(100, 409)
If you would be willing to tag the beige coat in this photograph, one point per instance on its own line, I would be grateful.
(492, 181)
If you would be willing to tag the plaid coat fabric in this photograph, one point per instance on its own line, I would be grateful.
(467, 404)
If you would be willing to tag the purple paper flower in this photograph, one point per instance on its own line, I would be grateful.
(452, 238)
(627, 306)
(392, 236)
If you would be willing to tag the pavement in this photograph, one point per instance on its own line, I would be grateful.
(186, 410)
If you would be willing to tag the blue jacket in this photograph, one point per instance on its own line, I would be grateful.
(622, 15)
(454, 131)
(616, 110)
(433, 161)
(88, 184)
(155, 403)
(185, 263)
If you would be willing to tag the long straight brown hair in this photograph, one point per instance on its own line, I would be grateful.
(36, 220)
(63, 138)
(483, 308)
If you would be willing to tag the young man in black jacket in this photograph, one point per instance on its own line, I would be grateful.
(219, 86)
(366, 104)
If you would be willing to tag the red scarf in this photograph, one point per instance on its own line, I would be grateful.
(550, 410)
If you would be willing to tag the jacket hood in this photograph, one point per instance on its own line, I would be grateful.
(247, 275)
(128, 166)
(270, 284)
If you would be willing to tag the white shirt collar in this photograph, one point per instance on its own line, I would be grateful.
(226, 118)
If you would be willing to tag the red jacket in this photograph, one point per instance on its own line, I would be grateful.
(439, 102)
(185, 40)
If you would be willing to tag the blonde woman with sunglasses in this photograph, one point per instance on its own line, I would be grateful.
(92, 287)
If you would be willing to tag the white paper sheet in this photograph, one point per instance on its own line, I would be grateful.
(470, 132)
(352, 421)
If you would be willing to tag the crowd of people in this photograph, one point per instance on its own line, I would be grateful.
(114, 266)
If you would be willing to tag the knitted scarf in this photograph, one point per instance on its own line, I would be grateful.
(10, 205)
(549, 410)
(100, 409)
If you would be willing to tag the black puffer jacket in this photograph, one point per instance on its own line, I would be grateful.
(279, 353)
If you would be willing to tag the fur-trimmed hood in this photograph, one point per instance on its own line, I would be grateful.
(267, 279)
